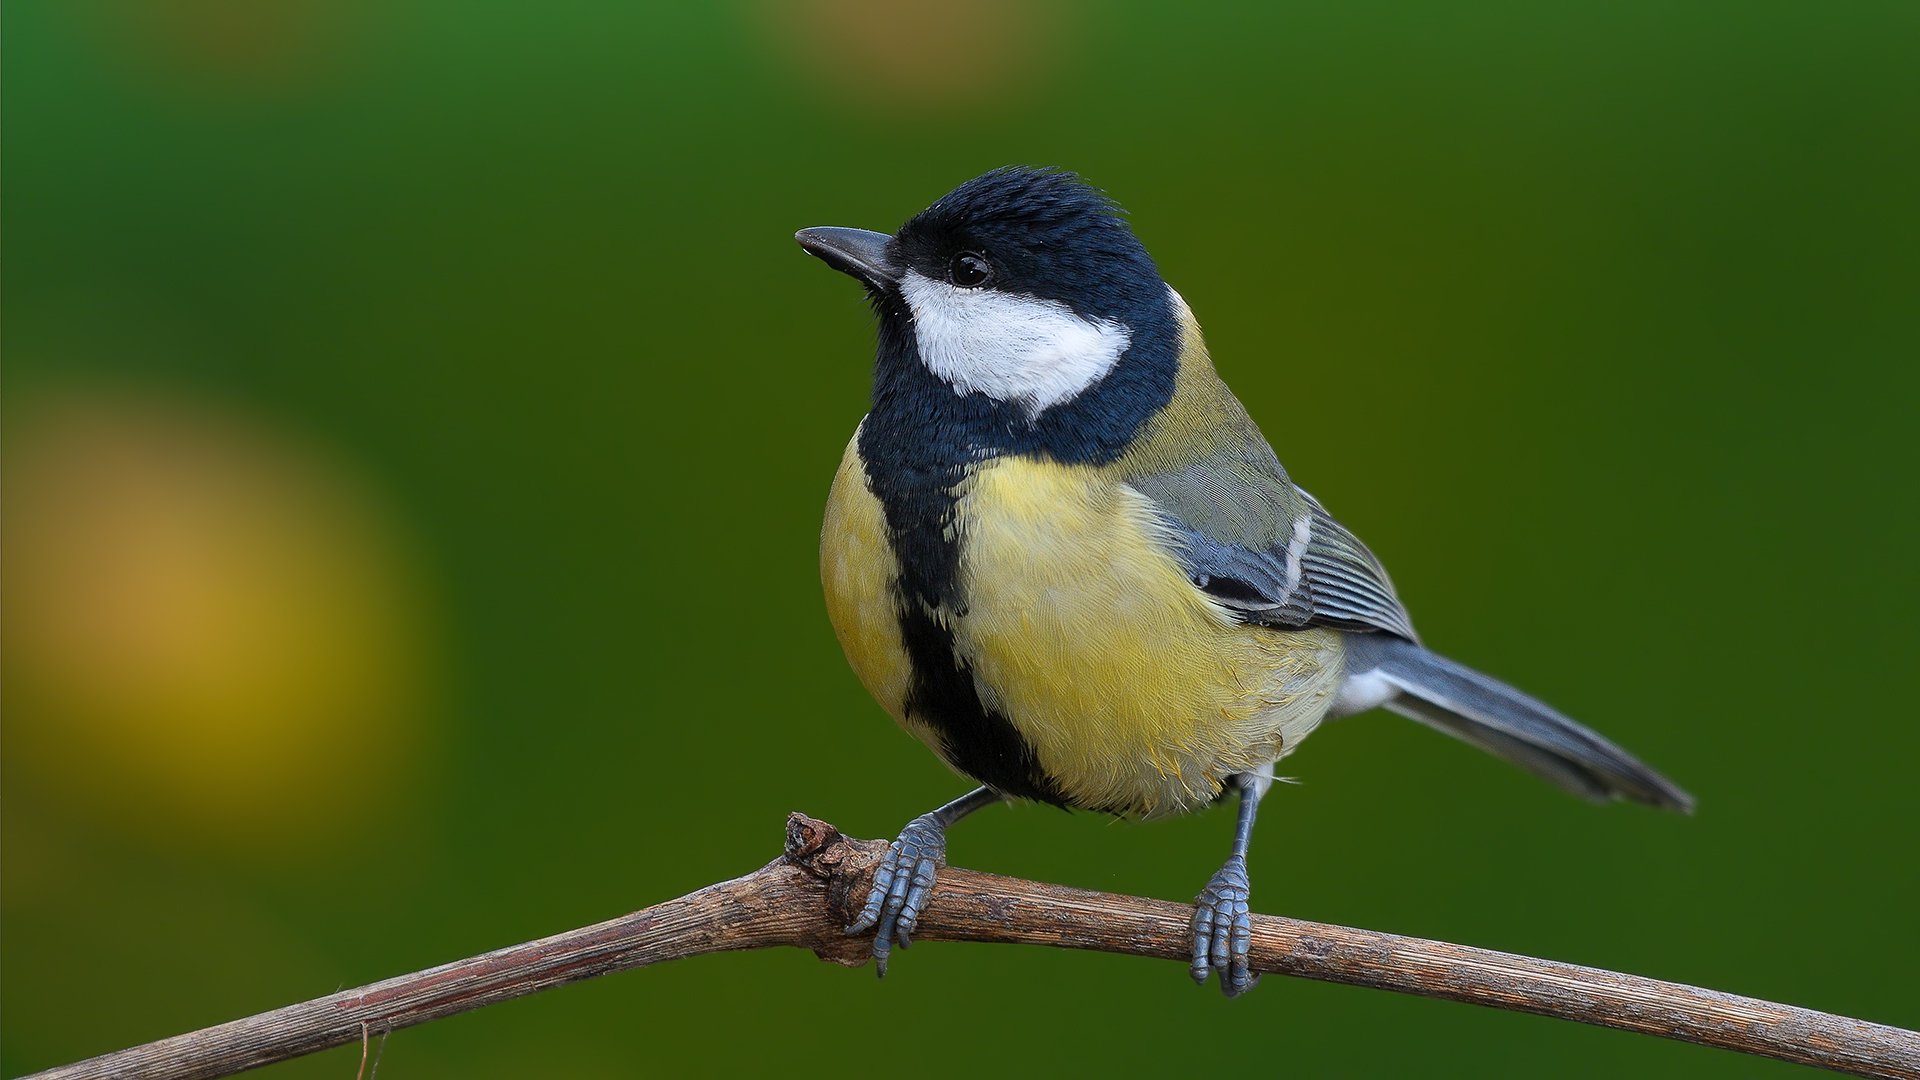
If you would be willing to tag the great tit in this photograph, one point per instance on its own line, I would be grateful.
(1060, 553)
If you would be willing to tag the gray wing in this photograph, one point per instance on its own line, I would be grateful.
(1260, 546)
(1351, 590)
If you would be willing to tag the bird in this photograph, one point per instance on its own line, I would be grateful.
(1059, 552)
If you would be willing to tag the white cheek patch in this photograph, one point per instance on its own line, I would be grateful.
(1020, 349)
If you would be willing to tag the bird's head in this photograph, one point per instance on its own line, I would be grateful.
(1025, 295)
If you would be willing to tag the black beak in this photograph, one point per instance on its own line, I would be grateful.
(851, 251)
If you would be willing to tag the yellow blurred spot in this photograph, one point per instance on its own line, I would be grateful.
(897, 55)
(206, 626)
(247, 49)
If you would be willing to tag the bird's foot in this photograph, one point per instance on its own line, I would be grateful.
(901, 885)
(1223, 929)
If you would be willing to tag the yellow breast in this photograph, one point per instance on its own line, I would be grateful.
(1137, 692)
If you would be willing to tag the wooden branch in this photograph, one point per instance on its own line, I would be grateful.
(805, 897)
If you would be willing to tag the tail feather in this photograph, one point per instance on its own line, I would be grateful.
(1487, 713)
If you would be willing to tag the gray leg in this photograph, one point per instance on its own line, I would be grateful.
(905, 877)
(1222, 917)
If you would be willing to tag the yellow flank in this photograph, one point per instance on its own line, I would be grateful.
(1137, 692)
(857, 569)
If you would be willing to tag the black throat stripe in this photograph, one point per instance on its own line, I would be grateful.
(915, 476)
(917, 445)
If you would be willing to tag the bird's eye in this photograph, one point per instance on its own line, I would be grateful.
(969, 270)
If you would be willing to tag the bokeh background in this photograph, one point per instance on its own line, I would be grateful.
(417, 417)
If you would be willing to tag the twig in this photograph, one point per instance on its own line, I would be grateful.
(804, 898)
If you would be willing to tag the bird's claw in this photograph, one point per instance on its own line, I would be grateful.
(1223, 929)
(900, 887)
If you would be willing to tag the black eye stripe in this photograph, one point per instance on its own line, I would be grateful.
(969, 270)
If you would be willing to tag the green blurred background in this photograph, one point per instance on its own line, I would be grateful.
(418, 415)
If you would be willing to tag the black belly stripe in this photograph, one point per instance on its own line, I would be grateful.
(979, 741)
